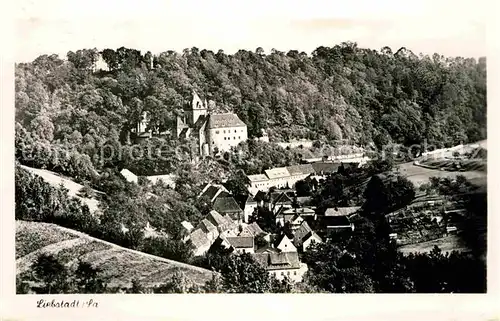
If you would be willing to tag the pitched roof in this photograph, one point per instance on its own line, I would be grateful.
(262, 257)
(241, 241)
(295, 217)
(260, 196)
(278, 259)
(199, 238)
(267, 249)
(206, 226)
(128, 175)
(257, 178)
(213, 191)
(273, 196)
(225, 120)
(215, 218)
(341, 211)
(325, 167)
(301, 232)
(274, 261)
(333, 221)
(301, 211)
(229, 220)
(277, 172)
(284, 239)
(255, 229)
(311, 234)
(210, 192)
(282, 198)
(303, 169)
(226, 204)
(250, 199)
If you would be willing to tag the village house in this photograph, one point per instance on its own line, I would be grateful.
(209, 229)
(285, 215)
(349, 212)
(129, 176)
(228, 206)
(279, 177)
(281, 265)
(222, 201)
(215, 133)
(304, 236)
(222, 223)
(280, 199)
(200, 242)
(249, 206)
(240, 244)
(286, 245)
(260, 198)
(295, 221)
(252, 229)
(336, 220)
(298, 173)
(212, 227)
(212, 191)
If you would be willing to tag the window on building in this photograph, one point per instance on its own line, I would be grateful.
(288, 273)
(224, 131)
(235, 130)
(294, 272)
(234, 138)
(282, 273)
(239, 137)
(224, 138)
(216, 131)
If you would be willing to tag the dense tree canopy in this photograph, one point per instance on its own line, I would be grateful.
(340, 92)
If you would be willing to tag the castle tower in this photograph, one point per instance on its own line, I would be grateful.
(198, 108)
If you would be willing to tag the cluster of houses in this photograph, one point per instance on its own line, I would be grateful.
(229, 224)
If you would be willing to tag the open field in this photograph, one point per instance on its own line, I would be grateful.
(120, 265)
(73, 187)
(419, 175)
(446, 244)
(464, 165)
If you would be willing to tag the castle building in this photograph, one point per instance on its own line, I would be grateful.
(215, 133)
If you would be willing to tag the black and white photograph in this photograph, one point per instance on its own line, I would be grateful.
(250, 147)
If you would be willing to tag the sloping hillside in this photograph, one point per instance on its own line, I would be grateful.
(419, 175)
(446, 244)
(119, 264)
(73, 187)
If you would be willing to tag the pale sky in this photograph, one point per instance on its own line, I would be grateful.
(449, 27)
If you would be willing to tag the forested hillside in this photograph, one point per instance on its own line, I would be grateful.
(342, 92)
(75, 119)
